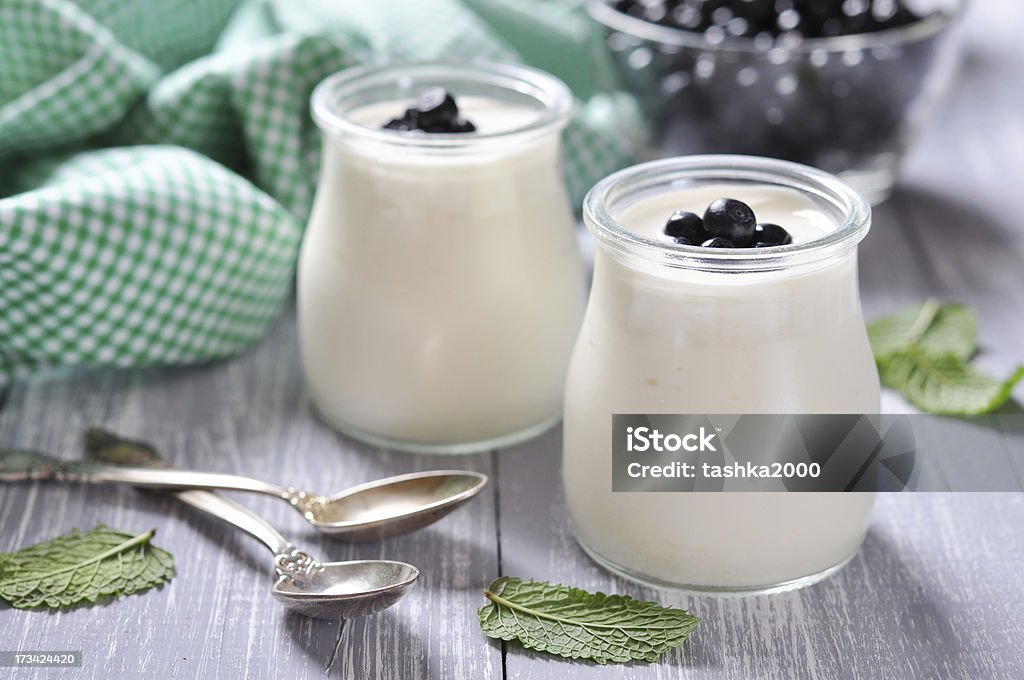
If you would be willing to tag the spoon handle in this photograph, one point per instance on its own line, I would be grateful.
(18, 466)
(288, 560)
(107, 447)
(240, 516)
(25, 465)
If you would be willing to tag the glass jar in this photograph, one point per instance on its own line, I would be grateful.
(440, 286)
(682, 329)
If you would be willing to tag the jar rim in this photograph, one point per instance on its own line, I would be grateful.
(726, 167)
(553, 96)
(603, 13)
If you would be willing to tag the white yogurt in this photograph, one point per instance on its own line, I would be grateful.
(440, 290)
(662, 340)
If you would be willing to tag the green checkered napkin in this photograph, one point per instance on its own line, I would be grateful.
(157, 159)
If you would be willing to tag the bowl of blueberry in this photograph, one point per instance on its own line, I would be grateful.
(842, 85)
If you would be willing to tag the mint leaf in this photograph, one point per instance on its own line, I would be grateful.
(71, 570)
(932, 328)
(575, 624)
(924, 353)
(945, 384)
(954, 332)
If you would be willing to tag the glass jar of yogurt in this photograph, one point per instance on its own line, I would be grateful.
(440, 286)
(685, 329)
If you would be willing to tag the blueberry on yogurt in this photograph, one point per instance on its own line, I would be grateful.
(727, 223)
(686, 226)
(460, 124)
(404, 124)
(436, 111)
(768, 234)
(730, 219)
(718, 242)
(435, 108)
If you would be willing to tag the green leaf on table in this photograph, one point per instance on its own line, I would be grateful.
(576, 624)
(83, 567)
(925, 352)
(945, 384)
(933, 328)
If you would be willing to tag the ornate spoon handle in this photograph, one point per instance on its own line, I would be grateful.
(106, 447)
(288, 560)
(33, 465)
(16, 466)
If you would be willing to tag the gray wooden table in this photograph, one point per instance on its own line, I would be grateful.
(937, 591)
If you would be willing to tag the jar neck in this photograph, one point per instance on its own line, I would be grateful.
(699, 270)
(545, 100)
(607, 201)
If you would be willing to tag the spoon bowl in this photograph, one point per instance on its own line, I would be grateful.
(345, 590)
(306, 586)
(374, 510)
(395, 505)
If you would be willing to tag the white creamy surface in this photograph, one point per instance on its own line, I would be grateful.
(657, 341)
(440, 293)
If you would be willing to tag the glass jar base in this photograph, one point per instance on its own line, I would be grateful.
(454, 448)
(715, 591)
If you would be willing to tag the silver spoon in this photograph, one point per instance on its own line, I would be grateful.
(385, 507)
(325, 591)
(330, 590)
(321, 590)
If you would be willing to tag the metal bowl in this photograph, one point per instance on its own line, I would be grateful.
(848, 104)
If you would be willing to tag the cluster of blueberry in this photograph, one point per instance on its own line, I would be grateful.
(772, 18)
(435, 111)
(727, 223)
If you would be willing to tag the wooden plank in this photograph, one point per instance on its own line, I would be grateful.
(935, 592)
(217, 619)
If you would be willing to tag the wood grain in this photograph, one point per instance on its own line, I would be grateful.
(216, 619)
(936, 592)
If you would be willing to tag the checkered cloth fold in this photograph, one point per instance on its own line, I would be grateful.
(157, 159)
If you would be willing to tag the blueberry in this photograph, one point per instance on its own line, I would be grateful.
(435, 111)
(767, 234)
(460, 124)
(685, 241)
(730, 219)
(405, 123)
(686, 225)
(398, 124)
(718, 242)
(435, 108)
